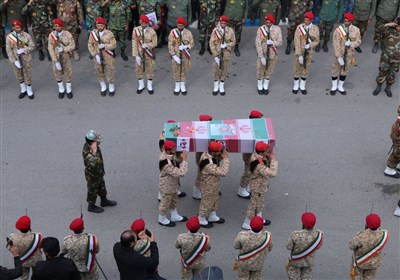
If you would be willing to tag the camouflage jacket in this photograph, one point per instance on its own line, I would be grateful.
(142, 246)
(118, 15)
(13, 10)
(209, 11)
(173, 43)
(187, 242)
(216, 40)
(391, 43)
(65, 40)
(178, 8)
(41, 13)
(331, 10)
(299, 7)
(300, 40)
(339, 40)
(275, 35)
(212, 172)
(364, 9)
(149, 37)
(395, 134)
(170, 171)
(93, 8)
(24, 242)
(94, 166)
(259, 180)
(388, 9)
(107, 39)
(299, 241)
(70, 12)
(236, 10)
(25, 42)
(148, 6)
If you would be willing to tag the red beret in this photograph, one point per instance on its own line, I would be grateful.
(100, 20)
(58, 21)
(257, 223)
(144, 18)
(16, 22)
(349, 16)
(224, 18)
(205, 118)
(214, 146)
(23, 223)
(261, 146)
(138, 225)
(171, 121)
(254, 114)
(181, 20)
(373, 221)
(270, 18)
(193, 224)
(168, 145)
(308, 219)
(309, 15)
(76, 224)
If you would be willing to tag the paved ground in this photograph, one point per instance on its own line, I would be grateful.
(331, 152)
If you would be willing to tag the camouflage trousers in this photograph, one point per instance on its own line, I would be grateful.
(209, 200)
(188, 273)
(379, 29)
(205, 29)
(120, 36)
(180, 71)
(299, 273)
(365, 274)
(292, 24)
(325, 30)
(66, 70)
(388, 68)
(167, 203)
(108, 64)
(94, 275)
(198, 176)
(25, 73)
(299, 71)
(146, 66)
(394, 158)
(221, 71)
(237, 27)
(41, 36)
(264, 72)
(362, 25)
(2, 37)
(245, 179)
(338, 70)
(95, 186)
(249, 275)
(73, 29)
(256, 204)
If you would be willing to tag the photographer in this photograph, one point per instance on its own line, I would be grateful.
(6, 273)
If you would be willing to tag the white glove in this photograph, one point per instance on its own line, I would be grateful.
(270, 42)
(60, 49)
(138, 60)
(301, 59)
(101, 46)
(144, 46)
(20, 51)
(347, 43)
(98, 59)
(307, 46)
(58, 66)
(17, 63)
(182, 47)
(223, 46)
(217, 60)
(341, 61)
(176, 58)
(263, 61)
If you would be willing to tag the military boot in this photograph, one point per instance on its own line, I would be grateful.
(358, 49)
(377, 90)
(105, 202)
(41, 55)
(95, 209)
(388, 90)
(325, 46)
(4, 52)
(318, 48)
(48, 55)
(375, 48)
(288, 47)
(237, 52)
(202, 49)
(123, 55)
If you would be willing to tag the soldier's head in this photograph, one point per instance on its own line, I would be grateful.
(93, 136)
(58, 24)
(144, 21)
(348, 19)
(214, 148)
(308, 18)
(269, 20)
(170, 147)
(50, 247)
(223, 21)
(23, 224)
(100, 23)
(254, 114)
(180, 23)
(262, 148)
(128, 239)
(193, 224)
(205, 118)
(256, 224)
(138, 225)
(308, 219)
(77, 226)
(372, 221)
(16, 25)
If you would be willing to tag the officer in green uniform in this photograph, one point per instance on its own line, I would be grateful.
(236, 11)
(364, 11)
(2, 33)
(146, 7)
(178, 8)
(12, 9)
(209, 15)
(93, 9)
(267, 7)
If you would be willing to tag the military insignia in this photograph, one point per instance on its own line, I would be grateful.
(33, 14)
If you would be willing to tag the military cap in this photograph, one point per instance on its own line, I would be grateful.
(58, 21)
(270, 18)
(138, 225)
(214, 146)
(261, 146)
(308, 219)
(76, 224)
(100, 20)
(16, 22)
(23, 223)
(205, 118)
(224, 18)
(181, 20)
(168, 145)
(373, 221)
(92, 135)
(349, 16)
(193, 224)
(309, 15)
(171, 121)
(144, 19)
(254, 114)
(256, 223)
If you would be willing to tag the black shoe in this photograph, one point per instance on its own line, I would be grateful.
(103, 93)
(182, 194)
(358, 49)
(196, 198)
(184, 219)
(22, 95)
(333, 92)
(388, 91)
(70, 95)
(170, 224)
(303, 91)
(106, 202)
(377, 90)
(318, 48)
(237, 52)
(209, 50)
(184, 93)
(222, 93)
(41, 55)
(295, 91)
(267, 222)
(176, 93)
(61, 95)
(139, 91)
(32, 96)
(398, 203)
(396, 175)
(219, 193)
(375, 48)
(288, 48)
(260, 91)
(342, 92)
(215, 93)
(111, 93)
(95, 209)
(325, 47)
(123, 55)
(4, 52)
(245, 197)
(220, 221)
(266, 91)
(202, 49)
(90, 56)
(150, 91)
(209, 225)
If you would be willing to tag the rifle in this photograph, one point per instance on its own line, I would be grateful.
(60, 61)
(143, 56)
(180, 56)
(268, 50)
(346, 49)
(100, 53)
(95, 259)
(19, 44)
(221, 54)
(305, 55)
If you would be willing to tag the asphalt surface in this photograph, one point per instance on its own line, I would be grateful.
(331, 150)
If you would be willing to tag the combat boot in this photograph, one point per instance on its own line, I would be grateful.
(202, 49)
(95, 209)
(375, 48)
(325, 46)
(377, 90)
(105, 202)
(236, 50)
(4, 52)
(388, 90)
(48, 55)
(41, 55)
(123, 55)
(358, 49)
(288, 47)
(318, 48)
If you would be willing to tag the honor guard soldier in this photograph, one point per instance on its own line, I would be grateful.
(19, 46)
(367, 246)
(61, 44)
(82, 248)
(393, 162)
(170, 171)
(236, 11)
(208, 16)
(101, 45)
(214, 164)
(306, 38)
(263, 165)
(346, 38)
(180, 42)
(221, 43)
(28, 244)
(302, 245)
(144, 40)
(254, 246)
(269, 37)
(364, 12)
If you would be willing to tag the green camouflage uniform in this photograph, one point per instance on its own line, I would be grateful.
(13, 10)
(387, 11)
(119, 15)
(236, 11)
(267, 7)
(148, 6)
(2, 30)
(93, 9)
(296, 15)
(178, 8)
(331, 11)
(209, 14)
(394, 158)
(390, 56)
(364, 10)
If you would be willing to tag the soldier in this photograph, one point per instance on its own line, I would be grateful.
(28, 244)
(94, 172)
(209, 14)
(144, 40)
(297, 9)
(19, 46)
(367, 246)
(180, 42)
(70, 12)
(192, 246)
(176, 9)
(263, 165)
(330, 13)
(146, 7)
(12, 9)
(82, 248)
(268, 38)
(254, 246)
(40, 12)
(389, 61)
(93, 10)
(306, 38)
(101, 45)
(393, 161)
(267, 7)
(214, 164)
(346, 38)
(386, 12)
(221, 43)
(170, 172)
(302, 245)
(61, 44)
(119, 15)
(363, 12)
(237, 12)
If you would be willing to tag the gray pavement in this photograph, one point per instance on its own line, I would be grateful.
(331, 150)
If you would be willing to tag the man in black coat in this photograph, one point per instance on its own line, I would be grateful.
(133, 265)
(6, 273)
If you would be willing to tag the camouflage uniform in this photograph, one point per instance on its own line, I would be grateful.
(246, 241)
(173, 49)
(13, 10)
(24, 242)
(119, 15)
(209, 183)
(299, 241)
(390, 56)
(209, 14)
(394, 158)
(245, 179)
(76, 246)
(267, 7)
(236, 11)
(362, 243)
(296, 16)
(259, 183)
(2, 34)
(331, 12)
(187, 243)
(149, 6)
(198, 175)
(299, 43)
(93, 9)
(149, 37)
(386, 12)
(364, 11)
(178, 8)
(142, 246)
(66, 41)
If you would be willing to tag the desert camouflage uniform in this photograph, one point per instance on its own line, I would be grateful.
(220, 72)
(173, 49)
(209, 183)
(394, 158)
(390, 56)
(296, 15)
(24, 241)
(364, 10)
(119, 16)
(93, 9)
(76, 246)
(362, 243)
(13, 10)
(147, 63)
(259, 183)
(245, 179)
(299, 241)
(66, 41)
(236, 11)
(187, 242)
(142, 246)
(198, 175)
(299, 43)
(107, 68)
(209, 14)
(275, 35)
(267, 7)
(252, 268)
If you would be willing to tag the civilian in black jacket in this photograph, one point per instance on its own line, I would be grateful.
(5, 273)
(132, 265)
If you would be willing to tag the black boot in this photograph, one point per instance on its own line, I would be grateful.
(123, 55)
(202, 49)
(377, 90)
(4, 52)
(325, 46)
(41, 55)
(288, 47)
(318, 48)
(95, 209)
(388, 90)
(358, 49)
(105, 202)
(375, 48)
(237, 52)
(209, 50)
(48, 55)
